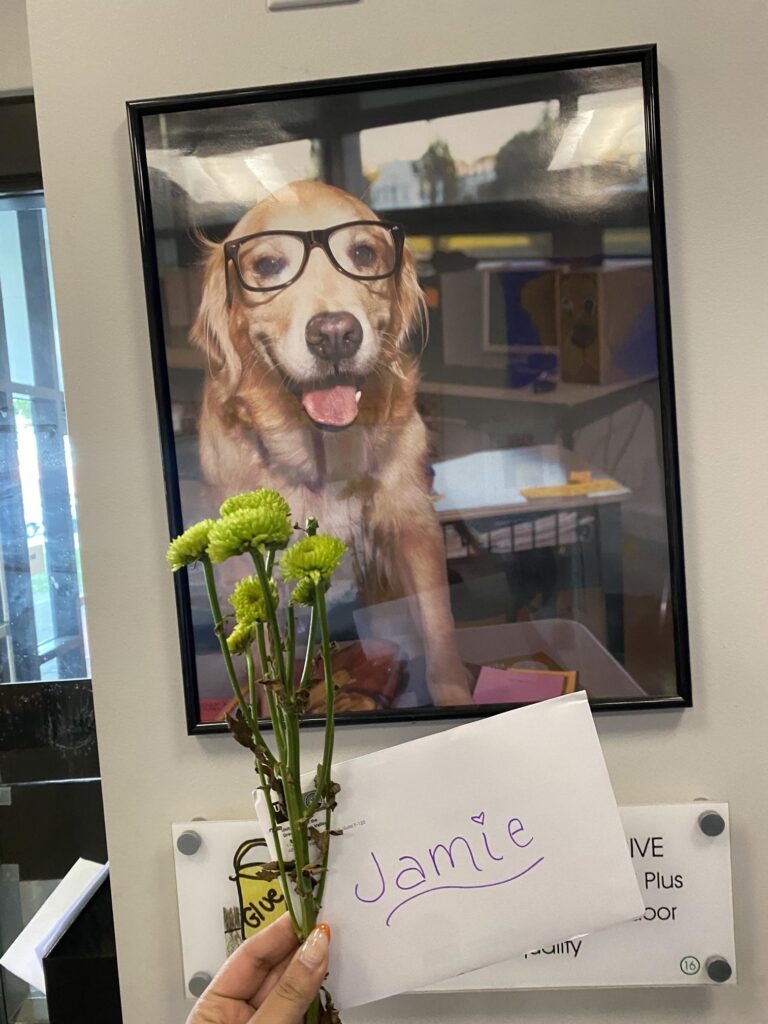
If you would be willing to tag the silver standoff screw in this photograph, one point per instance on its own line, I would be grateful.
(189, 842)
(711, 823)
(718, 969)
(198, 983)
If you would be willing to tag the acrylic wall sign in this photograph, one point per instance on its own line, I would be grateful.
(682, 857)
(431, 308)
(684, 938)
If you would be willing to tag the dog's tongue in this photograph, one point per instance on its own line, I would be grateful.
(332, 407)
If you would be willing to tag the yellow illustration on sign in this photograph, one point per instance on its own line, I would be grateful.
(260, 895)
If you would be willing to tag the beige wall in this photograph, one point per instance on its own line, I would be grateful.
(88, 58)
(15, 67)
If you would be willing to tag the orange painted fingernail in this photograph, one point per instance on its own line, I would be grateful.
(315, 950)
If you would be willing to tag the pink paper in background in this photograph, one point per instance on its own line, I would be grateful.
(503, 686)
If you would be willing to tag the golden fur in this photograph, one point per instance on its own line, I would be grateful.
(366, 483)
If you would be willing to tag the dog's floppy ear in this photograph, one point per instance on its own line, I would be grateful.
(410, 300)
(210, 331)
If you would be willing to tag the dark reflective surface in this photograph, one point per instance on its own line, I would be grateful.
(81, 980)
(51, 810)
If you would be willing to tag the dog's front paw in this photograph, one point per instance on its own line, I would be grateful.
(449, 685)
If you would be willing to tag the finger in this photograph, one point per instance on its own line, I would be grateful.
(273, 976)
(211, 1008)
(288, 1001)
(243, 974)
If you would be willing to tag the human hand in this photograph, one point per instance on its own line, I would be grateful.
(266, 980)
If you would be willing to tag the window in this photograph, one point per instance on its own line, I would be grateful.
(482, 155)
(42, 616)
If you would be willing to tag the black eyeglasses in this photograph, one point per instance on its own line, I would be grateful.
(366, 250)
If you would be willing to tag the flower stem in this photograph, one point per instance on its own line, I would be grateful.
(251, 686)
(324, 861)
(274, 711)
(218, 628)
(313, 1012)
(251, 719)
(285, 722)
(285, 880)
(291, 649)
(274, 631)
(324, 774)
(309, 656)
(255, 730)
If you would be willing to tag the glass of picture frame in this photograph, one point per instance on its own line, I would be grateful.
(431, 308)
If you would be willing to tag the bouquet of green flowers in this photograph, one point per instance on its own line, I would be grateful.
(259, 524)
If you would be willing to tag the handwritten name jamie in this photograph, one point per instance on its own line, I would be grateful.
(447, 866)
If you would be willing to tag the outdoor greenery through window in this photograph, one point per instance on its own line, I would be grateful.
(42, 615)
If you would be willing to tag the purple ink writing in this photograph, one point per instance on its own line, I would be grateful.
(416, 869)
(382, 882)
(479, 819)
(451, 865)
(448, 850)
(482, 885)
(516, 831)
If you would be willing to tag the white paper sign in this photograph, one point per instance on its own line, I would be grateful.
(470, 846)
(25, 956)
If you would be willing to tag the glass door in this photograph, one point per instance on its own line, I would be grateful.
(50, 792)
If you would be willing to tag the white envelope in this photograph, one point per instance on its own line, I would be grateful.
(471, 846)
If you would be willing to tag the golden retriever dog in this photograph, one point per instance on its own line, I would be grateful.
(304, 320)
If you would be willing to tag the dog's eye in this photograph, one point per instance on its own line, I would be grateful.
(363, 256)
(268, 266)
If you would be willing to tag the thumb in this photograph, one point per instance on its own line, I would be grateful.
(289, 999)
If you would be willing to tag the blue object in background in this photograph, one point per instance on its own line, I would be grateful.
(638, 355)
(520, 329)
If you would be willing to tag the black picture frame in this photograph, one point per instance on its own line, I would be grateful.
(441, 87)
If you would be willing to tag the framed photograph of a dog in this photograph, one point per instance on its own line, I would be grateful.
(431, 308)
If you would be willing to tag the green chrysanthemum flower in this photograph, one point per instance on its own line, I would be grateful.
(241, 638)
(248, 600)
(320, 554)
(262, 498)
(246, 530)
(305, 590)
(189, 546)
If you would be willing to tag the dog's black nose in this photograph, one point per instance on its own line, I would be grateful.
(583, 335)
(334, 336)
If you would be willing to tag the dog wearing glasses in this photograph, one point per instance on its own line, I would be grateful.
(305, 318)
